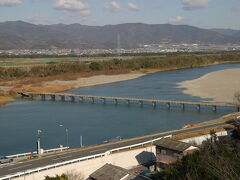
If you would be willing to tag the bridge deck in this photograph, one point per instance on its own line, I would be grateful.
(131, 99)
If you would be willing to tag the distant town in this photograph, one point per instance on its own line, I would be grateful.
(143, 48)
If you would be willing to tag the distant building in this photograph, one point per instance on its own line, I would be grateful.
(169, 151)
(111, 172)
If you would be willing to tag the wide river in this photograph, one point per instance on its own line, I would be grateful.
(20, 120)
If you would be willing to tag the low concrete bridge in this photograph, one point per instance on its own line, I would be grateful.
(116, 100)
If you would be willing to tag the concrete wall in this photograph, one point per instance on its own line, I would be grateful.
(200, 139)
(125, 159)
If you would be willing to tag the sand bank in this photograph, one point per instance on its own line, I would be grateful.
(64, 85)
(219, 86)
(94, 80)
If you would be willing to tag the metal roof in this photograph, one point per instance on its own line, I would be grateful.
(172, 145)
(109, 172)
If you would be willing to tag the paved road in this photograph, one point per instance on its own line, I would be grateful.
(33, 164)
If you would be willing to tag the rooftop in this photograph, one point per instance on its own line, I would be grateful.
(172, 144)
(109, 172)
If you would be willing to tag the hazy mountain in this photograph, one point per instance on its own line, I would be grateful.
(229, 32)
(19, 34)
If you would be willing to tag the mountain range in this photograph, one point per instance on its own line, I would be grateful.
(23, 35)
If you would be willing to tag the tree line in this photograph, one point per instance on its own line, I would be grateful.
(137, 63)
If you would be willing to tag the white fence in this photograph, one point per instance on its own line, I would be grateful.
(35, 152)
(31, 171)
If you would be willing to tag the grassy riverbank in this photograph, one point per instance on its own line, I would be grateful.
(35, 78)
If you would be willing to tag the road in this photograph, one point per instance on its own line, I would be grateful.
(33, 164)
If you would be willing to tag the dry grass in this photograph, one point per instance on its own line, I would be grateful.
(201, 132)
(40, 88)
(5, 99)
(35, 84)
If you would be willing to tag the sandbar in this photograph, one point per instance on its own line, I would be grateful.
(219, 86)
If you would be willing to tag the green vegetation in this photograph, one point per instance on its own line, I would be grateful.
(62, 177)
(70, 175)
(137, 63)
(216, 160)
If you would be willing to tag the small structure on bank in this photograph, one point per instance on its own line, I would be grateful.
(169, 151)
(112, 172)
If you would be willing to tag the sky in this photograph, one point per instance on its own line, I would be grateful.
(200, 13)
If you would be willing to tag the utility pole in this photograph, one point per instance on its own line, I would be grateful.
(118, 45)
(67, 137)
(39, 133)
(81, 141)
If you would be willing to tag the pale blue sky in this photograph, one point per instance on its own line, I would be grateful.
(201, 13)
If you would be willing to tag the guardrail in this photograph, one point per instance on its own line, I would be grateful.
(35, 152)
(31, 171)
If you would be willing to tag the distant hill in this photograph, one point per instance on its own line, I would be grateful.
(19, 34)
(229, 32)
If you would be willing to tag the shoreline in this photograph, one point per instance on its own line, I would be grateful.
(219, 86)
(55, 84)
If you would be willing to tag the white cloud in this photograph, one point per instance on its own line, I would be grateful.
(195, 4)
(176, 19)
(132, 6)
(9, 2)
(113, 6)
(70, 5)
(33, 18)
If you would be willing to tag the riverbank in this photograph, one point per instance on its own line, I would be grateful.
(67, 81)
(219, 86)
(5, 99)
(59, 84)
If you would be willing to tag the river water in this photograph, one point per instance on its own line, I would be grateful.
(20, 120)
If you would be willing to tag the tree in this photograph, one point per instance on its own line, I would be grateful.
(214, 161)
(236, 98)
(74, 175)
(69, 175)
(57, 177)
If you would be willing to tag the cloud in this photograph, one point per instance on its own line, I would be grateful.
(195, 4)
(132, 6)
(176, 19)
(10, 2)
(80, 14)
(33, 18)
(70, 5)
(113, 6)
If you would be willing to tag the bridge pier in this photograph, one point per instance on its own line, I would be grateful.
(183, 106)
(237, 109)
(154, 104)
(104, 100)
(31, 97)
(168, 105)
(62, 98)
(72, 98)
(81, 99)
(43, 97)
(53, 97)
(214, 108)
(198, 107)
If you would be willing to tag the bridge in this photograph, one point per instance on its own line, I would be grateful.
(116, 100)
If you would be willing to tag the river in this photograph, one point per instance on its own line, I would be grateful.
(20, 120)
